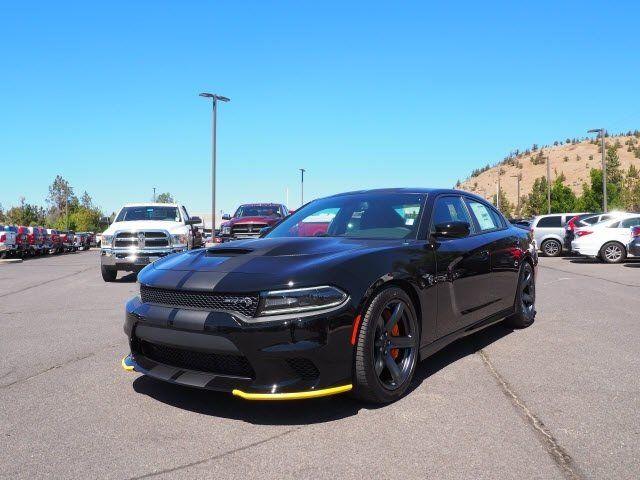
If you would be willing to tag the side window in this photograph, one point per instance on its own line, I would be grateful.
(486, 217)
(630, 222)
(550, 222)
(450, 209)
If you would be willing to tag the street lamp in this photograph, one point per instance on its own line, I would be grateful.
(519, 177)
(302, 170)
(215, 98)
(601, 132)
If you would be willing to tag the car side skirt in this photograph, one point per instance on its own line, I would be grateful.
(439, 344)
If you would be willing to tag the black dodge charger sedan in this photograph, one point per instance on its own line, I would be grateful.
(346, 294)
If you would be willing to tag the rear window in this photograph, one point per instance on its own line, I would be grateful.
(550, 222)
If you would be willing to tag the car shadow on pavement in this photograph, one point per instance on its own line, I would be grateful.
(302, 412)
(128, 278)
(583, 260)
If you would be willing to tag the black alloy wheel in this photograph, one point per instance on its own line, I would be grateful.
(525, 303)
(387, 348)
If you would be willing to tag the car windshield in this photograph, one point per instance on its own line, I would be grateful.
(257, 211)
(366, 215)
(130, 214)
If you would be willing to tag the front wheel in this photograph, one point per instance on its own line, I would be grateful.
(108, 274)
(613, 252)
(386, 352)
(525, 303)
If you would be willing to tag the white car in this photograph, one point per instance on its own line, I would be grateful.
(142, 233)
(606, 240)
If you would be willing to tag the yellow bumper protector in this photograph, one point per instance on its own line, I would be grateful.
(126, 365)
(324, 392)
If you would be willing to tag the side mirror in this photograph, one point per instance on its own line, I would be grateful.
(453, 230)
(264, 231)
(194, 221)
(226, 216)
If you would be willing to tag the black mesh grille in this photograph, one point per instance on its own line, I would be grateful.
(304, 368)
(244, 304)
(235, 365)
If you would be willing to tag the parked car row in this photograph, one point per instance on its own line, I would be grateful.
(21, 241)
(610, 237)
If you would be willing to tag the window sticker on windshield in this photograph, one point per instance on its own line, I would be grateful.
(409, 221)
(483, 216)
(452, 212)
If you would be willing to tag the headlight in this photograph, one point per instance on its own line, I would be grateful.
(106, 240)
(180, 239)
(300, 300)
(226, 230)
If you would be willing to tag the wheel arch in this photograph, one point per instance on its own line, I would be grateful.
(386, 282)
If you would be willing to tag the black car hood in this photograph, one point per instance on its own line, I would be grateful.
(266, 255)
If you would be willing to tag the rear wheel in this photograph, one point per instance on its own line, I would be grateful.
(108, 274)
(613, 252)
(551, 248)
(387, 348)
(525, 303)
(3, 255)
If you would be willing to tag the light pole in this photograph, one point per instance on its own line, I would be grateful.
(601, 132)
(215, 98)
(549, 184)
(154, 194)
(519, 177)
(302, 170)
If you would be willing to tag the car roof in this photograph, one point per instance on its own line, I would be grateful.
(260, 204)
(409, 190)
(151, 204)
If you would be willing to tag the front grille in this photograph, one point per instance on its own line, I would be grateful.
(247, 229)
(235, 365)
(304, 368)
(244, 304)
(152, 239)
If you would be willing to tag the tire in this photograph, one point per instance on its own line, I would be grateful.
(551, 248)
(613, 252)
(3, 255)
(525, 302)
(108, 274)
(390, 315)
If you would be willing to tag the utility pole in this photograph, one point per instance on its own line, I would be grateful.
(215, 98)
(601, 132)
(549, 184)
(154, 194)
(66, 209)
(302, 170)
(518, 177)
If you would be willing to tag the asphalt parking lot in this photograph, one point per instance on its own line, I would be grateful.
(557, 400)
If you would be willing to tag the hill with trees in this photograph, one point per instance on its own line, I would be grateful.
(576, 176)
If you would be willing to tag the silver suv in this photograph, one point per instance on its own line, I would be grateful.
(548, 231)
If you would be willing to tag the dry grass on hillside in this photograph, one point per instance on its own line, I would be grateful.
(573, 160)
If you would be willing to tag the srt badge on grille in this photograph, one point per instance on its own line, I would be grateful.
(237, 301)
(141, 239)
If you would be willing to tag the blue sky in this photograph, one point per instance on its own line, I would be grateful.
(360, 94)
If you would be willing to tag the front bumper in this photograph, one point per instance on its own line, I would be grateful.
(132, 260)
(276, 360)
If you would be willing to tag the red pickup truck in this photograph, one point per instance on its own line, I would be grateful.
(250, 219)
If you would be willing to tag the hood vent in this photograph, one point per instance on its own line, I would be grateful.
(227, 252)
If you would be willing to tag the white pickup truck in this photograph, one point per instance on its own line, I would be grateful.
(143, 232)
(8, 244)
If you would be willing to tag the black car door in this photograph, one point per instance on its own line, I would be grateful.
(505, 254)
(462, 268)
